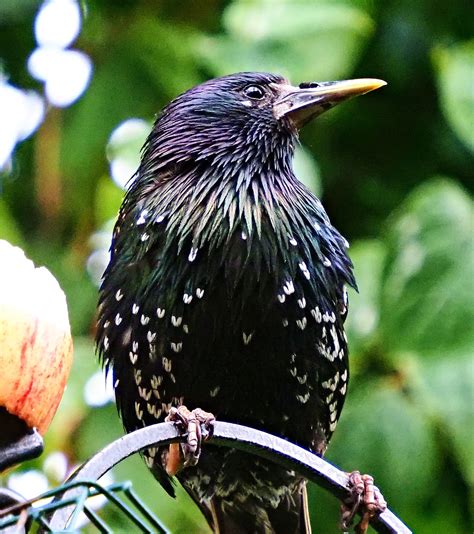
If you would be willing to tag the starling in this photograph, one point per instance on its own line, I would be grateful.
(226, 290)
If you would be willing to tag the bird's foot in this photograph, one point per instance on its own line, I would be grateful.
(365, 499)
(197, 425)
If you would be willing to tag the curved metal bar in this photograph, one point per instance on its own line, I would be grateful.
(239, 437)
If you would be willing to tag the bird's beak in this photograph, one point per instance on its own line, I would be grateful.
(303, 103)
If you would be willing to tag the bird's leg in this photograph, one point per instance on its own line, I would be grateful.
(365, 498)
(197, 425)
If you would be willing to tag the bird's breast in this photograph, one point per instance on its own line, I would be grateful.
(244, 322)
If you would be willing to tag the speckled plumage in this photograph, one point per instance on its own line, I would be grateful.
(225, 291)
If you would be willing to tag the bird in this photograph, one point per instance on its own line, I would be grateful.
(226, 290)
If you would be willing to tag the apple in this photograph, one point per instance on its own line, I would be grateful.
(35, 339)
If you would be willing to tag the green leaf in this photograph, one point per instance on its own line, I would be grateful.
(106, 103)
(445, 388)
(8, 227)
(79, 290)
(73, 408)
(107, 200)
(306, 169)
(428, 277)
(165, 53)
(12, 10)
(383, 433)
(101, 427)
(447, 511)
(316, 40)
(455, 69)
(363, 318)
(268, 20)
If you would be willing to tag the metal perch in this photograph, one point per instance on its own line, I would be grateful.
(239, 437)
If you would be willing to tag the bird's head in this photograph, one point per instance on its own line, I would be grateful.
(238, 117)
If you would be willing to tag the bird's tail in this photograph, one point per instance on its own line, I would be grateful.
(291, 516)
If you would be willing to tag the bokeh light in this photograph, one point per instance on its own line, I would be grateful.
(99, 389)
(99, 243)
(58, 23)
(123, 149)
(21, 112)
(56, 465)
(65, 73)
(29, 483)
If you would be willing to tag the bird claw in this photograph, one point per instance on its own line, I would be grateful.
(365, 498)
(198, 425)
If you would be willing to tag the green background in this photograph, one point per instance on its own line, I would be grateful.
(393, 169)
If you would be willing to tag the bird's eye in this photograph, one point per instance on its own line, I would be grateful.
(254, 91)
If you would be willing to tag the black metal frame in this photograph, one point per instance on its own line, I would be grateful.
(239, 437)
(19, 513)
(25, 446)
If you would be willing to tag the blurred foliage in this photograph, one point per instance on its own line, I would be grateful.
(394, 170)
(455, 80)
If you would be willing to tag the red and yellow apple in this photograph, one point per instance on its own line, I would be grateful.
(35, 339)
